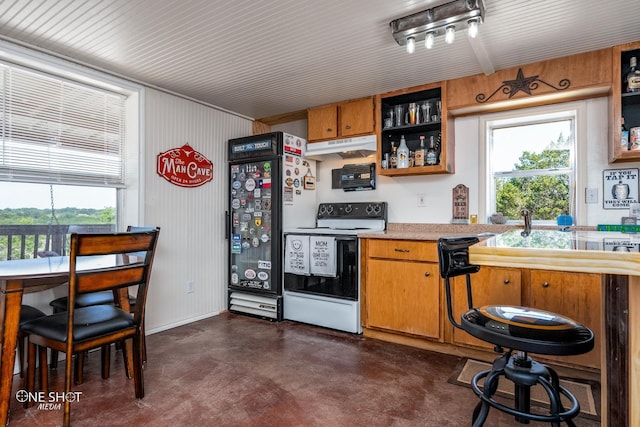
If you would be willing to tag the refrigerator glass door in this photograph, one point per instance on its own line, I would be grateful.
(255, 225)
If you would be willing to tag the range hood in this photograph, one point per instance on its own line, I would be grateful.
(347, 148)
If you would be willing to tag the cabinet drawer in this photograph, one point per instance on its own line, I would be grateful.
(403, 249)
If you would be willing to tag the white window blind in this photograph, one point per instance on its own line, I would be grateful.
(58, 131)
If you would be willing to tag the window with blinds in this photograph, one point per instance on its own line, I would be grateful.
(55, 130)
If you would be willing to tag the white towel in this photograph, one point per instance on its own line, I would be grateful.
(296, 256)
(323, 256)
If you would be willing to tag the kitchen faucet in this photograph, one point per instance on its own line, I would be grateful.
(527, 222)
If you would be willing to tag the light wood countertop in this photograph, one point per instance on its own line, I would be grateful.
(580, 251)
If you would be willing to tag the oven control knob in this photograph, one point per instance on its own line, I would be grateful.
(329, 209)
(369, 209)
(348, 209)
(322, 210)
(377, 209)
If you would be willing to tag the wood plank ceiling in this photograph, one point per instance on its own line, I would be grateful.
(270, 57)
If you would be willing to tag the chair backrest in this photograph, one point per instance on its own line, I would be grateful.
(129, 270)
(453, 260)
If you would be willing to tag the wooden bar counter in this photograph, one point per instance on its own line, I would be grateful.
(616, 257)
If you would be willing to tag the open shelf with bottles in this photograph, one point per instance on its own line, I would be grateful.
(624, 105)
(414, 113)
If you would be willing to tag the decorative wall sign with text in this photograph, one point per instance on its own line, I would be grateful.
(184, 167)
(620, 188)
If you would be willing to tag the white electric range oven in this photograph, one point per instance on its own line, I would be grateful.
(322, 265)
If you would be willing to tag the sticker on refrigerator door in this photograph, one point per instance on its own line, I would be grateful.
(264, 237)
(265, 265)
(287, 196)
(246, 244)
(236, 243)
(266, 166)
(235, 203)
(257, 221)
(250, 184)
(236, 185)
(236, 219)
(234, 278)
(257, 193)
(266, 204)
(265, 183)
(255, 242)
(250, 274)
(262, 275)
(265, 285)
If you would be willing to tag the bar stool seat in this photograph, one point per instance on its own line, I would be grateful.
(521, 330)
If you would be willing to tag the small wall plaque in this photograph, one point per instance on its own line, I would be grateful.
(460, 204)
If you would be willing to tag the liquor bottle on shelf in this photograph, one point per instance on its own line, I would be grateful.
(624, 136)
(431, 158)
(419, 156)
(403, 154)
(632, 78)
(393, 160)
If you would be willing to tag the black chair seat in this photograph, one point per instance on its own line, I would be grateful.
(86, 300)
(528, 329)
(89, 322)
(28, 313)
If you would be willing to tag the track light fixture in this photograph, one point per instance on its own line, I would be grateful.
(445, 20)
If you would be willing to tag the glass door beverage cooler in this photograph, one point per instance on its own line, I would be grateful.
(271, 185)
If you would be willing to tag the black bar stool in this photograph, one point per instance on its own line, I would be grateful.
(521, 330)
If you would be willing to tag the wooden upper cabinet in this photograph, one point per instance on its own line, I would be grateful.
(341, 120)
(356, 117)
(323, 122)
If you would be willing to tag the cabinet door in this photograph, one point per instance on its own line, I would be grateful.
(577, 296)
(489, 286)
(322, 122)
(403, 296)
(356, 117)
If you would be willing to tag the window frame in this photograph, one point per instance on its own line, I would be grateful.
(575, 111)
(130, 202)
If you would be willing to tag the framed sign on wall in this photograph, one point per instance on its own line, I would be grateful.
(619, 188)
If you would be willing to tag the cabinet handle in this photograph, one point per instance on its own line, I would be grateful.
(347, 127)
(427, 274)
(329, 130)
(507, 281)
(545, 285)
(402, 250)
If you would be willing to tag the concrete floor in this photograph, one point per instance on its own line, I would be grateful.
(233, 370)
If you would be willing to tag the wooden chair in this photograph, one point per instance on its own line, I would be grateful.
(27, 314)
(59, 305)
(81, 329)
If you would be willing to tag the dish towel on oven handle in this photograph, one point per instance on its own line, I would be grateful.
(323, 256)
(296, 256)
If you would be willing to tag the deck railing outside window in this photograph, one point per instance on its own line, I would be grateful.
(26, 241)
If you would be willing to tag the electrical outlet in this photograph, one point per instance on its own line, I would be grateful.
(191, 287)
(422, 200)
(591, 195)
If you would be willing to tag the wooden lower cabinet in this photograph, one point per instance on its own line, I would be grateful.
(403, 296)
(574, 295)
(490, 286)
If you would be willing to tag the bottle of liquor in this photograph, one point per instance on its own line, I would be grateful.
(403, 154)
(419, 156)
(632, 78)
(393, 160)
(431, 158)
(624, 137)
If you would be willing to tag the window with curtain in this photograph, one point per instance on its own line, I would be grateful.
(55, 130)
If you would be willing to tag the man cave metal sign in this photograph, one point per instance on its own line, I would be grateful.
(185, 167)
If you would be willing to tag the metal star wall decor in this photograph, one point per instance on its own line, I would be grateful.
(522, 83)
